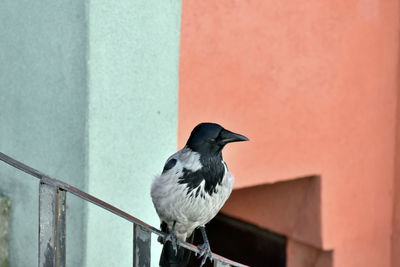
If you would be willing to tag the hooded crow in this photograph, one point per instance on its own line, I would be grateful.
(193, 186)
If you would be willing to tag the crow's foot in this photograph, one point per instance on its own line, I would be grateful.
(205, 252)
(172, 237)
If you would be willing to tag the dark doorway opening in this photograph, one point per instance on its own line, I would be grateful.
(244, 243)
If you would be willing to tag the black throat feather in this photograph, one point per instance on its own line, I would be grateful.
(211, 173)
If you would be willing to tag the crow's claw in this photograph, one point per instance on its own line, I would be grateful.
(205, 252)
(173, 239)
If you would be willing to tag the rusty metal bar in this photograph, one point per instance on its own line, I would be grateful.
(220, 264)
(51, 226)
(141, 246)
(19, 165)
(45, 179)
(130, 218)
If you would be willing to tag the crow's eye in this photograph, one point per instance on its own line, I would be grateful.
(212, 140)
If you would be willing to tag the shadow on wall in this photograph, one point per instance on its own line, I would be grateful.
(244, 243)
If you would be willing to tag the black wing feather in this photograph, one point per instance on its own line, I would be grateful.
(169, 165)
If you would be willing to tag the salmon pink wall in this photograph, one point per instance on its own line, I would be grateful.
(313, 85)
(396, 190)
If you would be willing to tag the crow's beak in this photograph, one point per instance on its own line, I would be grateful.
(229, 137)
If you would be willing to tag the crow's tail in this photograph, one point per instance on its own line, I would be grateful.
(171, 259)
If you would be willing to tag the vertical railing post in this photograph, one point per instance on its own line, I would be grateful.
(51, 226)
(141, 246)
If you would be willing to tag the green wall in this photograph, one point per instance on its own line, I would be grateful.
(42, 114)
(132, 125)
(88, 94)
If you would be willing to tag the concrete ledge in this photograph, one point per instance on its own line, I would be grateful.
(5, 204)
(291, 208)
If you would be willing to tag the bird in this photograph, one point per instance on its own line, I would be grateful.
(193, 186)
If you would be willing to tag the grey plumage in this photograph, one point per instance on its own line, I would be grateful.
(193, 187)
(174, 201)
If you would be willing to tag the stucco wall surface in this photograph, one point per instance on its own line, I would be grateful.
(132, 117)
(396, 192)
(314, 85)
(42, 114)
(88, 94)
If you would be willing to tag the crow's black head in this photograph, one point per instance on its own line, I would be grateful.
(210, 138)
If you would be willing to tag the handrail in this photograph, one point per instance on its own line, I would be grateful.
(57, 184)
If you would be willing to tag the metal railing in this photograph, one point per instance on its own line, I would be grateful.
(52, 209)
